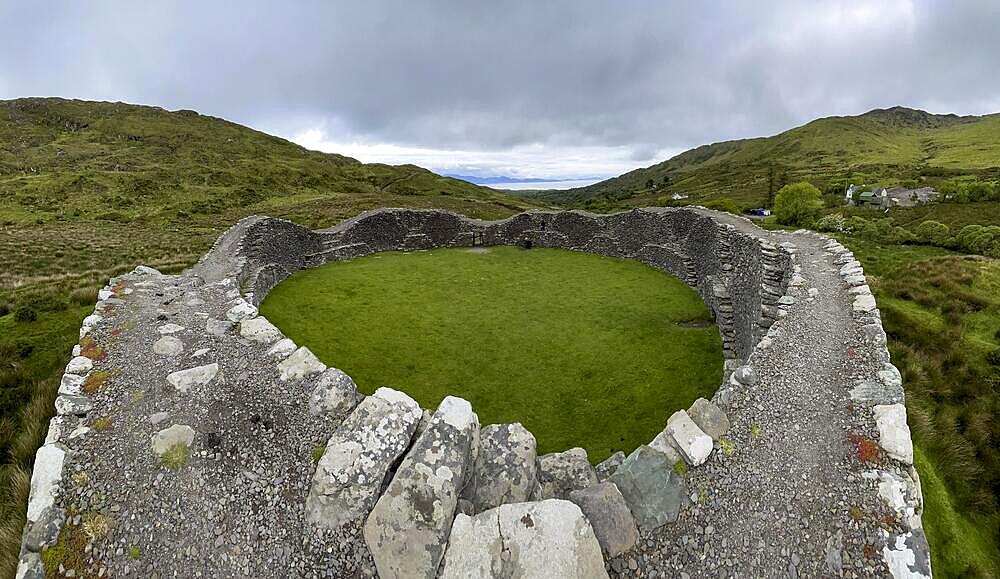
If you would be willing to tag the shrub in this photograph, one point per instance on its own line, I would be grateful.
(933, 232)
(25, 314)
(832, 222)
(797, 204)
(724, 204)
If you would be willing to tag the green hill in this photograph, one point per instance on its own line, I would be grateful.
(883, 146)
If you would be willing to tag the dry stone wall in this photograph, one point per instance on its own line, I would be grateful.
(478, 501)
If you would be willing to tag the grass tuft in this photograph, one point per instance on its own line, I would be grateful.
(175, 457)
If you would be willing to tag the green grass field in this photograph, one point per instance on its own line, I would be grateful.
(583, 350)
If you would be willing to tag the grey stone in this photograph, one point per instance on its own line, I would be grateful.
(652, 490)
(79, 365)
(335, 394)
(908, 556)
(77, 405)
(560, 473)
(359, 458)
(30, 567)
(184, 380)
(408, 529)
(608, 466)
(300, 364)
(664, 442)
(170, 328)
(894, 434)
(218, 327)
(539, 540)
(609, 515)
(505, 470)
(260, 330)
(281, 348)
(691, 441)
(45, 531)
(71, 384)
(241, 311)
(709, 418)
(167, 438)
(46, 479)
(158, 417)
(168, 346)
(745, 375)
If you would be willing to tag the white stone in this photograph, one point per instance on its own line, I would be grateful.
(183, 380)
(163, 440)
(475, 548)
(894, 434)
(300, 364)
(200, 352)
(72, 404)
(864, 303)
(260, 330)
(457, 412)
(813, 292)
(79, 365)
(169, 329)
(104, 294)
(45, 479)
(860, 289)
(334, 394)
(663, 442)
(241, 311)
(692, 442)
(55, 430)
(168, 346)
(551, 538)
(92, 320)
(281, 348)
(159, 417)
(901, 559)
(76, 350)
(71, 384)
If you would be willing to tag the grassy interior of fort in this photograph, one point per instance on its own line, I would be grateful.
(583, 350)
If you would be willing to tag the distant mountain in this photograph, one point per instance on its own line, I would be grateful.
(500, 180)
(887, 146)
(83, 161)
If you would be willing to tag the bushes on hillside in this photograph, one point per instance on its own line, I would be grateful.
(933, 233)
(833, 222)
(798, 204)
(724, 204)
(977, 239)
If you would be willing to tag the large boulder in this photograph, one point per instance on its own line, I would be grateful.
(505, 467)
(605, 508)
(300, 364)
(334, 394)
(538, 540)
(652, 490)
(260, 330)
(690, 440)
(359, 458)
(45, 480)
(408, 529)
(560, 473)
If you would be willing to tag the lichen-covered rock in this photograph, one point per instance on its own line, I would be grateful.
(608, 466)
(664, 443)
(894, 434)
(71, 384)
(30, 566)
(609, 515)
(745, 375)
(184, 380)
(908, 556)
(505, 467)
(300, 364)
(334, 394)
(45, 480)
(76, 405)
(709, 418)
(560, 473)
(169, 437)
(652, 490)
(45, 531)
(359, 458)
(408, 529)
(261, 330)
(79, 365)
(241, 311)
(537, 540)
(690, 440)
(281, 349)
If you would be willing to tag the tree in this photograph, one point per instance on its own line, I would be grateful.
(770, 185)
(933, 232)
(649, 184)
(797, 204)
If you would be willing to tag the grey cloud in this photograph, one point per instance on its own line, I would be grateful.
(486, 75)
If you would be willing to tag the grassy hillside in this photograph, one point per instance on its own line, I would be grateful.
(88, 190)
(884, 146)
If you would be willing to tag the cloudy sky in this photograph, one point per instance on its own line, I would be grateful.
(553, 89)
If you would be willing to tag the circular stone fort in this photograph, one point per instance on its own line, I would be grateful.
(193, 439)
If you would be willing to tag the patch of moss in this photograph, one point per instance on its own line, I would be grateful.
(175, 457)
(94, 381)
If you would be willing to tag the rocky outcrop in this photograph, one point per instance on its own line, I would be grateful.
(408, 529)
(651, 488)
(609, 515)
(560, 473)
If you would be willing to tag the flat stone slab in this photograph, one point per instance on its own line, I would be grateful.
(241, 311)
(169, 437)
(79, 365)
(281, 349)
(184, 380)
(651, 488)
(894, 434)
(690, 440)
(167, 329)
(260, 330)
(538, 540)
(505, 469)
(45, 479)
(168, 346)
(300, 364)
(560, 473)
(359, 457)
(408, 529)
(709, 418)
(77, 405)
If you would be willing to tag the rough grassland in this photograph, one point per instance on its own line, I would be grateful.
(583, 350)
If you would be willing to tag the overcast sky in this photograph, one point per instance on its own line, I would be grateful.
(526, 88)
